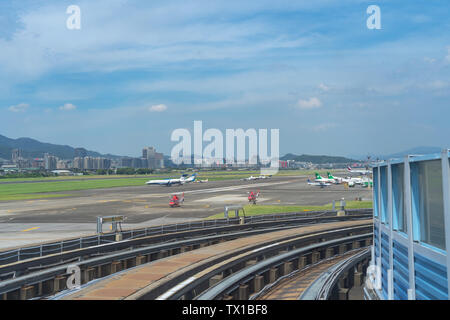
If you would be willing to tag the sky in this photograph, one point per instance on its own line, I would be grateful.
(138, 70)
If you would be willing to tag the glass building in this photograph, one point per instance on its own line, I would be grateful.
(410, 255)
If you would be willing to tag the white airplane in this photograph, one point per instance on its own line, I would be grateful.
(366, 183)
(349, 180)
(319, 178)
(360, 171)
(319, 184)
(250, 178)
(170, 182)
(265, 177)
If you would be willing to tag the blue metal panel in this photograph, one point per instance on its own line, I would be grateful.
(431, 279)
(400, 271)
(384, 262)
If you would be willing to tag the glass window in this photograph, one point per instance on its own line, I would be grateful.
(375, 192)
(398, 197)
(431, 203)
(384, 194)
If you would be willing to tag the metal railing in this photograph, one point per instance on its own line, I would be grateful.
(25, 253)
(235, 280)
(200, 283)
(321, 288)
(61, 270)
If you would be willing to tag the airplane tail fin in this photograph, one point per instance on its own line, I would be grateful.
(329, 175)
(318, 176)
(349, 169)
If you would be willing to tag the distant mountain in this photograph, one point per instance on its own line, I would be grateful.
(317, 159)
(35, 149)
(401, 154)
(416, 151)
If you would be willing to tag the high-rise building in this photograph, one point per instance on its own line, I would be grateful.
(50, 162)
(126, 162)
(148, 152)
(101, 163)
(136, 163)
(78, 163)
(64, 164)
(155, 160)
(16, 155)
(38, 163)
(88, 163)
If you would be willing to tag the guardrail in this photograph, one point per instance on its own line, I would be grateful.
(151, 252)
(239, 280)
(52, 280)
(30, 252)
(199, 284)
(22, 267)
(322, 287)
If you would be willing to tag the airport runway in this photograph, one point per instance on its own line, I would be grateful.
(28, 221)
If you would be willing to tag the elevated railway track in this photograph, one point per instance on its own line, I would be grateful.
(184, 264)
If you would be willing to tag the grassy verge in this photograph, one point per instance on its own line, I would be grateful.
(252, 210)
(8, 191)
(175, 174)
(21, 191)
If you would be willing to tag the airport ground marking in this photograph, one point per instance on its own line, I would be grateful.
(31, 229)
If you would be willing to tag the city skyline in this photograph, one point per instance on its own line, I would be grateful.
(313, 70)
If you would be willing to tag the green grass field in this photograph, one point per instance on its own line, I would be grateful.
(21, 191)
(44, 189)
(253, 210)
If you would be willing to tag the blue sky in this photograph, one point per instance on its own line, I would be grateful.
(137, 70)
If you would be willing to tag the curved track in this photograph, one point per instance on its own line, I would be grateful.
(188, 274)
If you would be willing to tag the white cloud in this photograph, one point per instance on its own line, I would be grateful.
(158, 108)
(438, 84)
(324, 127)
(158, 33)
(324, 87)
(312, 103)
(68, 107)
(22, 107)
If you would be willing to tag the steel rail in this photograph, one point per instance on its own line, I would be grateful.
(321, 288)
(48, 274)
(197, 282)
(235, 280)
(22, 267)
(24, 253)
(275, 244)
